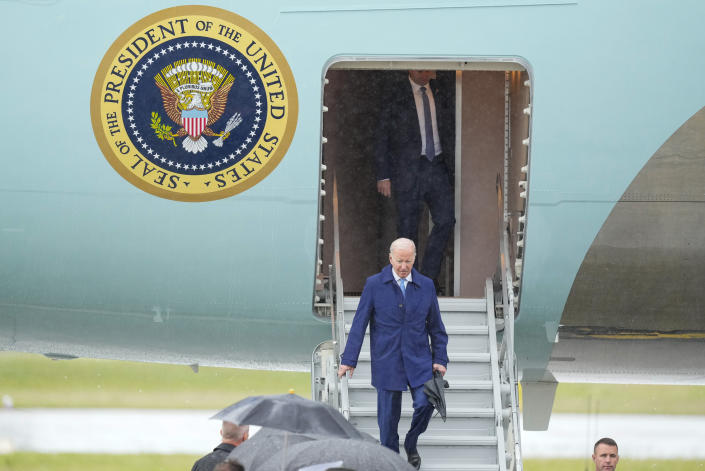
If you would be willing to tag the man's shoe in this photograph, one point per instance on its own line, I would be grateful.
(413, 458)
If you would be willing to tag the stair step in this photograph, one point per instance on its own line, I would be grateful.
(454, 311)
(452, 357)
(362, 394)
(455, 385)
(445, 304)
(450, 330)
(457, 370)
(455, 440)
(371, 411)
(473, 426)
(462, 339)
(450, 318)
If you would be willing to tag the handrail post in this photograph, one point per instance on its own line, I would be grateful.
(338, 301)
(507, 355)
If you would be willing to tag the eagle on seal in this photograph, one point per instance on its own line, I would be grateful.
(195, 111)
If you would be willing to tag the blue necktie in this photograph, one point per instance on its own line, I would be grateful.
(428, 125)
(402, 283)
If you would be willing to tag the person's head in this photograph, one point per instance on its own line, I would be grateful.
(402, 254)
(605, 455)
(234, 434)
(422, 77)
(229, 465)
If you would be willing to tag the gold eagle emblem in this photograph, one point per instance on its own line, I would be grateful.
(194, 95)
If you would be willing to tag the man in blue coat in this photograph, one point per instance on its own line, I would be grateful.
(401, 308)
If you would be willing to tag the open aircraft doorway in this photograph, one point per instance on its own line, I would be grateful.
(488, 161)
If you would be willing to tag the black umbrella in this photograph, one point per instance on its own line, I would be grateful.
(336, 452)
(434, 390)
(262, 445)
(291, 413)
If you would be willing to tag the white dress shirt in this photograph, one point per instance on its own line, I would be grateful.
(422, 120)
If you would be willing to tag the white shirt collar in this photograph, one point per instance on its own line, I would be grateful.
(397, 277)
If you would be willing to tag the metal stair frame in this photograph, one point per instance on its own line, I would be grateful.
(499, 308)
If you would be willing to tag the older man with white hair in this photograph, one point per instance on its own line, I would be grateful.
(232, 436)
(401, 307)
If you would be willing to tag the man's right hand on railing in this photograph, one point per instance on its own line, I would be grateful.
(344, 368)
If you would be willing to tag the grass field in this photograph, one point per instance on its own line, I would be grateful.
(624, 465)
(79, 462)
(36, 381)
(629, 399)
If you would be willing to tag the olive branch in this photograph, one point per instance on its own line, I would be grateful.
(162, 131)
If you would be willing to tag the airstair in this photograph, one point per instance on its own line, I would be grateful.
(482, 428)
(469, 439)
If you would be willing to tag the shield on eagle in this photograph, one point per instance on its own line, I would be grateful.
(194, 121)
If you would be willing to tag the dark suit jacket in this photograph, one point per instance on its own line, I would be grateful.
(400, 328)
(218, 455)
(398, 138)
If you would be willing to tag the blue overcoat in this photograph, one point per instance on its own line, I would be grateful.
(400, 329)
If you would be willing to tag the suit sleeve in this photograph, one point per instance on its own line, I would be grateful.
(437, 333)
(359, 326)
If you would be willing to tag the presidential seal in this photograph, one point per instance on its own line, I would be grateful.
(194, 103)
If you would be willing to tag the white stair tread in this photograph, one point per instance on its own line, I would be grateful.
(450, 330)
(445, 304)
(452, 357)
(455, 440)
(454, 385)
(371, 411)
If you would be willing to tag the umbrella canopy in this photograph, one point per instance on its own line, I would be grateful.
(292, 413)
(354, 454)
(436, 396)
(262, 445)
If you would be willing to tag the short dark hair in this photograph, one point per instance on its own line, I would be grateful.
(605, 441)
(229, 465)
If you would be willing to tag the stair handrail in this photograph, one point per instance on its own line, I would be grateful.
(338, 315)
(496, 377)
(507, 356)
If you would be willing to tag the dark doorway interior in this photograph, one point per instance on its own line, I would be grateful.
(367, 219)
(485, 101)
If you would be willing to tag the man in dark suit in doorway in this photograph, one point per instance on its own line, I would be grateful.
(413, 154)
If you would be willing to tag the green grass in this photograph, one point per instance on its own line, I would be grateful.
(78, 462)
(624, 465)
(36, 381)
(629, 399)
(151, 462)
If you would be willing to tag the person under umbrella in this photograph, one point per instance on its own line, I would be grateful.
(291, 413)
(232, 436)
(266, 442)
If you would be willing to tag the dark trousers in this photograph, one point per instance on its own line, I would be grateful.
(433, 187)
(389, 413)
